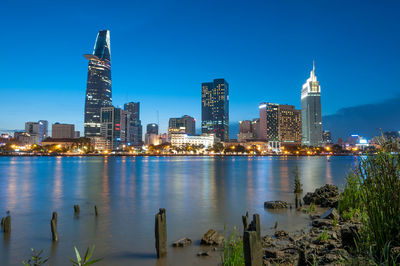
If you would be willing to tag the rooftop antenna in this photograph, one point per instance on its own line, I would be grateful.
(158, 119)
(313, 65)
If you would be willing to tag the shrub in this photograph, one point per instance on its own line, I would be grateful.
(35, 259)
(380, 196)
(350, 198)
(372, 195)
(233, 251)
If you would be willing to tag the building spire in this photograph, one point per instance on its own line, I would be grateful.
(313, 65)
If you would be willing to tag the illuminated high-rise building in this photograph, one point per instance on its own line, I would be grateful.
(185, 124)
(311, 116)
(215, 108)
(98, 90)
(269, 121)
(135, 125)
(289, 125)
(114, 126)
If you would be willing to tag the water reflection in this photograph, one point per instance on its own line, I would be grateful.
(198, 192)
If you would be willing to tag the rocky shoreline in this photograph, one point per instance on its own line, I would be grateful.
(330, 241)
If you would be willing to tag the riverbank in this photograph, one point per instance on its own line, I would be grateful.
(170, 155)
(331, 240)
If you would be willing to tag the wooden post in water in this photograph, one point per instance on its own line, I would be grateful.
(53, 224)
(2, 223)
(252, 248)
(55, 217)
(245, 221)
(7, 224)
(161, 233)
(77, 210)
(95, 210)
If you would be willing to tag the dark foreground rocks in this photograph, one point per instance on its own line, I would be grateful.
(183, 242)
(329, 242)
(212, 238)
(325, 196)
(276, 204)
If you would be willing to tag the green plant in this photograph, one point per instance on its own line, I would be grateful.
(372, 196)
(233, 251)
(86, 259)
(380, 194)
(297, 184)
(335, 221)
(323, 236)
(35, 259)
(311, 208)
(350, 198)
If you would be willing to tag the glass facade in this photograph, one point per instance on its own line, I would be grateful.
(311, 117)
(98, 89)
(135, 125)
(269, 121)
(215, 108)
(185, 124)
(114, 127)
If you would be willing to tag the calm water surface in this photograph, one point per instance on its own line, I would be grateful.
(198, 193)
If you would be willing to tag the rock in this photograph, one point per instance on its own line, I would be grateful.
(325, 196)
(267, 242)
(349, 232)
(281, 234)
(330, 214)
(203, 253)
(276, 204)
(273, 253)
(183, 242)
(212, 238)
(322, 223)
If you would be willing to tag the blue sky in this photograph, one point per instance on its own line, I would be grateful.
(161, 51)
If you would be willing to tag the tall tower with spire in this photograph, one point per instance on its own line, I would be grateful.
(98, 89)
(311, 116)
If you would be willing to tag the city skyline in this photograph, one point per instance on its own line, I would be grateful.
(276, 80)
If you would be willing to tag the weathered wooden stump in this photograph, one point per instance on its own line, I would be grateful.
(161, 233)
(7, 224)
(95, 210)
(77, 210)
(53, 224)
(2, 223)
(252, 248)
(245, 221)
(55, 217)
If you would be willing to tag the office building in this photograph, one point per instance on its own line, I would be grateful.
(246, 131)
(152, 128)
(62, 131)
(255, 125)
(185, 124)
(135, 125)
(206, 140)
(215, 108)
(39, 129)
(98, 90)
(24, 138)
(289, 125)
(269, 121)
(114, 127)
(311, 116)
(326, 137)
